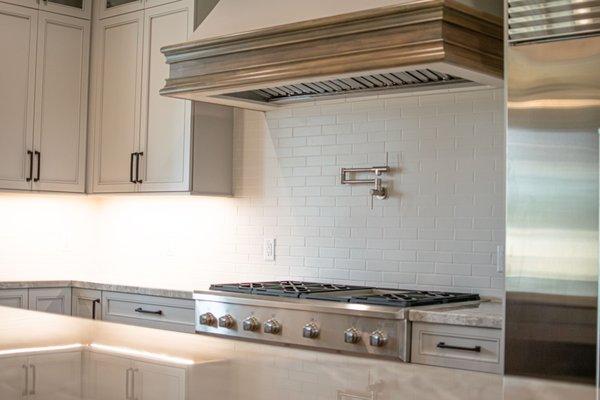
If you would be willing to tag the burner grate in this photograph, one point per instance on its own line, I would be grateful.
(408, 298)
(283, 288)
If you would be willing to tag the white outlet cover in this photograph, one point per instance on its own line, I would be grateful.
(269, 249)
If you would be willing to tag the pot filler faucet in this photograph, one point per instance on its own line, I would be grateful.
(379, 191)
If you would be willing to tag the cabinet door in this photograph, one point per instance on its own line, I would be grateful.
(158, 382)
(118, 68)
(18, 30)
(55, 300)
(24, 3)
(108, 377)
(111, 8)
(61, 103)
(13, 378)
(166, 122)
(55, 376)
(87, 303)
(74, 8)
(16, 298)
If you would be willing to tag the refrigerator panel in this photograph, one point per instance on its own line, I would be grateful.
(552, 209)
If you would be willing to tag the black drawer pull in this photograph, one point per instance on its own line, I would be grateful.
(142, 311)
(442, 345)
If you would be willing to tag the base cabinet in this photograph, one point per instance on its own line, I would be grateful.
(54, 300)
(16, 298)
(51, 376)
(112, 377)
(86, 303)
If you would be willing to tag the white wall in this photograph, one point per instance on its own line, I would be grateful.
(439, 229)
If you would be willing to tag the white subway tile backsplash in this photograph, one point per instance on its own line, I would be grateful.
(439, 229)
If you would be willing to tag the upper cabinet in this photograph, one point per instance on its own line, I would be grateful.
(43, 107)
(111, 8)
(116, 91)
(18, 34)
(61, 102)
(141, 140)
(74, 8)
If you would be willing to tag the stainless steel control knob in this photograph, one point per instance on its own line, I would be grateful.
(272, 326)
(310, 331)
(207, 319)
(251, 324)
(226, 321)
(377, 339)
(352, 335)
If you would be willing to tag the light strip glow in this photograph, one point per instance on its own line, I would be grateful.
(41, 349)
(554, 103)
(143, 354)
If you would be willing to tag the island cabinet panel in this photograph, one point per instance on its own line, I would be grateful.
(118, 377)
(13, 378)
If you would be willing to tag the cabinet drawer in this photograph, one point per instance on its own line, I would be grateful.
(16, 298)
(149, 311)
(459, 347)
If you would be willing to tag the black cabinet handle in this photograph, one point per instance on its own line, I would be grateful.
(131, 168)
(97, 301)
(30, 154)
(137, 168)
(442, 345)
(39, 163)
(142, 311)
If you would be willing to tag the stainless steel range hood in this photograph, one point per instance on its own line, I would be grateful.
(415, 46)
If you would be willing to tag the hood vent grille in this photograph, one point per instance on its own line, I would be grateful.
(397, 81)
(423, 45)
(546, 20)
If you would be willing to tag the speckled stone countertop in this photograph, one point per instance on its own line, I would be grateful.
(109, 287)
(486, 314)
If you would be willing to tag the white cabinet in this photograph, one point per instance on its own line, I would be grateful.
(74, 8)
(86, 303)
(55, 376)
(165, 122)
(141, 139)
(158, 382)
(13, 378)
(16, 298)
(49, 376)
(112, 377)
(61, 103)
(25, 3)
(43, 107)
(18, 33)
(117, 61)
(53, 300)
(111, 8)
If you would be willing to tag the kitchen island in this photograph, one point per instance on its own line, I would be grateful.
(215, 368)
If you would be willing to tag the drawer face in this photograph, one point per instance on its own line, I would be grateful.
(149, 311)
(457, 347)
(16, 298)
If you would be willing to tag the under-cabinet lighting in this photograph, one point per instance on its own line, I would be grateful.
(40, 349)
(142, 354)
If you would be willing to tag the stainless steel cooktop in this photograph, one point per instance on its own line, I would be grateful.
(351, 319)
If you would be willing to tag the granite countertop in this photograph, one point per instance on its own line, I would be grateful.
(109, 287)
(485, 314)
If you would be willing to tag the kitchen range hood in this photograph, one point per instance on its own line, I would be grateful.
(410, 47)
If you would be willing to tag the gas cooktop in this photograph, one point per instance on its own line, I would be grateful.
(345, 293)
(324, 316)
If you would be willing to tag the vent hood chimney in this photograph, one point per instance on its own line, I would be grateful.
(407, 47)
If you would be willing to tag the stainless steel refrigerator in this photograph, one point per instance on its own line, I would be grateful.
(553, 71)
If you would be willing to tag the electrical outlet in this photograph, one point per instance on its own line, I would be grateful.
(500, 259)
(269, 249)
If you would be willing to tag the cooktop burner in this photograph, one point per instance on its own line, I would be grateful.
(345, 293)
